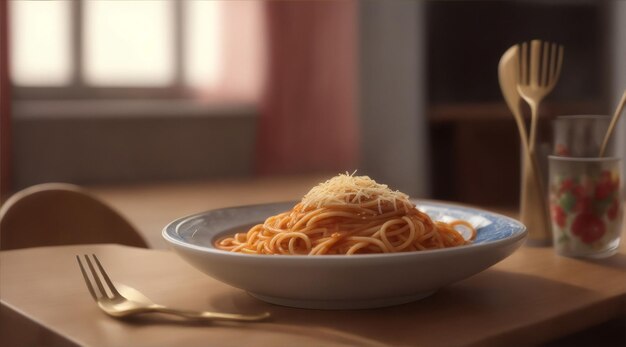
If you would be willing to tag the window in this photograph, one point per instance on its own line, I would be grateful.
(134, 49)
(51, 35)
(127, 43)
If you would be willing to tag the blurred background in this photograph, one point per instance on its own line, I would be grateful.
(136, 92)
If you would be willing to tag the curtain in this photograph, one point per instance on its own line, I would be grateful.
(308, 110)
(239, 52)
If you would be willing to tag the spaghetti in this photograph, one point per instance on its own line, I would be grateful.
(348, 215)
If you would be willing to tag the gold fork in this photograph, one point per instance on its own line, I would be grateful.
(112, 302)
(539, 70)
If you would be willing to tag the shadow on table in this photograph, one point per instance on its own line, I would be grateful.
(481, 308)
(617, 261)
(607, 334)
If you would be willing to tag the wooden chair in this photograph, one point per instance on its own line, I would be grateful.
(62, 214)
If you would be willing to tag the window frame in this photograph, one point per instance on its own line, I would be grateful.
(78, 89)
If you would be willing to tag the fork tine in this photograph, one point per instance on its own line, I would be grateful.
(553, 60)
(535, 53)
(523, 64)
(87, 281)
(106, 277)
(96, 278)
(559, 64)
(545, 54)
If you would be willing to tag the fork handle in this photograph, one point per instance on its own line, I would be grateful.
(206, 315)
(534, 119)
(534, 211)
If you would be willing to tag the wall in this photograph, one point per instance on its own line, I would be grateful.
(392, 113)
(113, 142)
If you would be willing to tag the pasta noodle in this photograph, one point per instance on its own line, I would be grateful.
(348, 215)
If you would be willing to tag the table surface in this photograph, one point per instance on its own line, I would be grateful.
(531, 297)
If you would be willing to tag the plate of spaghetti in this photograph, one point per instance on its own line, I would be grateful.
(349, 243)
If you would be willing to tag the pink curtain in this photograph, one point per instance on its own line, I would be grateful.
(241, 53)
(308, 120)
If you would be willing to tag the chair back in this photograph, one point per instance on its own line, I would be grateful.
(53, 214)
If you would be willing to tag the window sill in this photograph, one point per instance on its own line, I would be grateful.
(148, 108)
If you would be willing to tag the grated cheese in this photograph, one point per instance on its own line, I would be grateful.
(349, 189)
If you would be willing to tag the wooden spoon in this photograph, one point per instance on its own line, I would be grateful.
(507, 75)
(609, 132)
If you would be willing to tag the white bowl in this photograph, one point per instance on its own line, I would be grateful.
(340, 281)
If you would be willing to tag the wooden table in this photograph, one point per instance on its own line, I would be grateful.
(531, 297)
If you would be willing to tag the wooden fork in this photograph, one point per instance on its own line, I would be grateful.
(539, 70)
